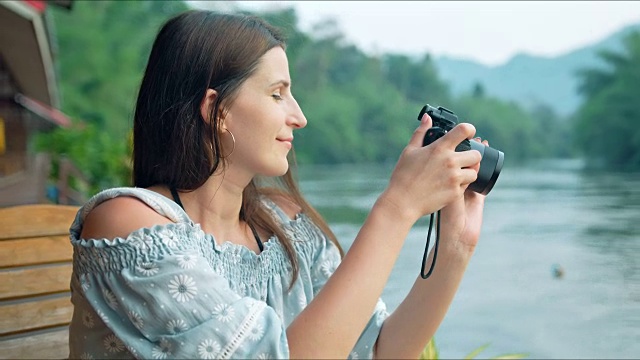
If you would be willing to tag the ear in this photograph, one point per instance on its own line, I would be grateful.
(206, 104)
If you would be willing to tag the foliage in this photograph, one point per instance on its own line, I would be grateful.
(415, 79)
(517, 133)
(431, 352)
(606, 124)
(361, 108)
(101, 157)
(102, 48)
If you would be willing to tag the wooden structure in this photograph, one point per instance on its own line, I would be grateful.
(28, 98)
(35, 253)
(35, 272)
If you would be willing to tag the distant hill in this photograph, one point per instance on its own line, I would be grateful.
(530, 80)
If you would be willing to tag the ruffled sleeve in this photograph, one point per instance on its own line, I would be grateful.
(160, 298)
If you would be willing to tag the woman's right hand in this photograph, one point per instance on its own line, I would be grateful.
(428, 178)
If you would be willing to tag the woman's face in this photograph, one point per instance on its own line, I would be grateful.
(263, 117)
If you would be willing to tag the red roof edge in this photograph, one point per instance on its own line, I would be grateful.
(46, 112)
(40, 6)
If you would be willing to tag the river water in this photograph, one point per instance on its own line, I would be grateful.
(538, 218)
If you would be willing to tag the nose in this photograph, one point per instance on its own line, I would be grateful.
(296, 118)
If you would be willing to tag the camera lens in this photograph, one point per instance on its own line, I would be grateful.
(490, 167)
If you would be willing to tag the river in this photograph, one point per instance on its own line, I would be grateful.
(538, 218)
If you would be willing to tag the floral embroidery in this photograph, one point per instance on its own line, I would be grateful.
(179, 282)
(302, 300)
(328, 267)
(223, 313)
(162, 350)
(187, 261)
(182, 288)
(103, 317)
(136, 319)
(110, 298)
(87, 319)
(132, 351)
(168, 237)
(86, 356)
(145, 242)
(208, 349)
(84, 282)
(113, 344)
(148, 269)
(256, 333)
(176, 326)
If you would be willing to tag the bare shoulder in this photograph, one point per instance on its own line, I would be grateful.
(286, 203)
(119, 217)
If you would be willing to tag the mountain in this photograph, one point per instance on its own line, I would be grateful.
(531, 80)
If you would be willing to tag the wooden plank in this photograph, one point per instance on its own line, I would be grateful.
(48, 345)
(21, 282)
(33, 315)
(22, 191)
(35, 170)
(36, 220)
(33, 251)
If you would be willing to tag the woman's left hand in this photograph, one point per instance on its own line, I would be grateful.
(461, 220)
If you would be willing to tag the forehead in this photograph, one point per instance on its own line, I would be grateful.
(273, 66)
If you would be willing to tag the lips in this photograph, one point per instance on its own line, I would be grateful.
(287, 141)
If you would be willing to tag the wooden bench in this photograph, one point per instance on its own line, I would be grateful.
(35, 271)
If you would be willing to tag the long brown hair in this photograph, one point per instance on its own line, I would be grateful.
(173, 144)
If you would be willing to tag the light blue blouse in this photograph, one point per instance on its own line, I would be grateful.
(171, 291)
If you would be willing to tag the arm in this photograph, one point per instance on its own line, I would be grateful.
(406, 332)
(345, 304)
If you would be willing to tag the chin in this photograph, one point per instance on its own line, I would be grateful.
(278, 170)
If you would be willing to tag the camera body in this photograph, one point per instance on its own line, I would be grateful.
(491, 164)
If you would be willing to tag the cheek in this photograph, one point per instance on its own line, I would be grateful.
(252, 144)
(256, 130)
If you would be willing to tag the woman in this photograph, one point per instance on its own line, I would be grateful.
(215, 254)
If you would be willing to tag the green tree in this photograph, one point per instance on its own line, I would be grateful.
(361, 108)
(506, 126)
(553, 134)
(606, 125)
(102, 158)
(418, 80)
(102, 48)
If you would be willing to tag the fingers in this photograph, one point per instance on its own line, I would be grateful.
(418, 134)
(459, 133)
(483, 142)
(467, 176)
(469, 158)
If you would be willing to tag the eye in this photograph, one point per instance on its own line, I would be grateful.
(277, 96)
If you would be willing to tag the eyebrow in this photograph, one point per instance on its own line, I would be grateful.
(280, 82)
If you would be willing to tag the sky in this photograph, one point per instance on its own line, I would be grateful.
(489, 32)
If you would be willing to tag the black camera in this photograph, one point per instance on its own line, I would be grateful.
(491, 164)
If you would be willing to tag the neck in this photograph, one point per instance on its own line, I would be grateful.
(216, 205)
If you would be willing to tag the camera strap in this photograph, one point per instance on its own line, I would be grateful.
(435, 247)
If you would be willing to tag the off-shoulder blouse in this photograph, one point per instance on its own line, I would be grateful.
(171, 291)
